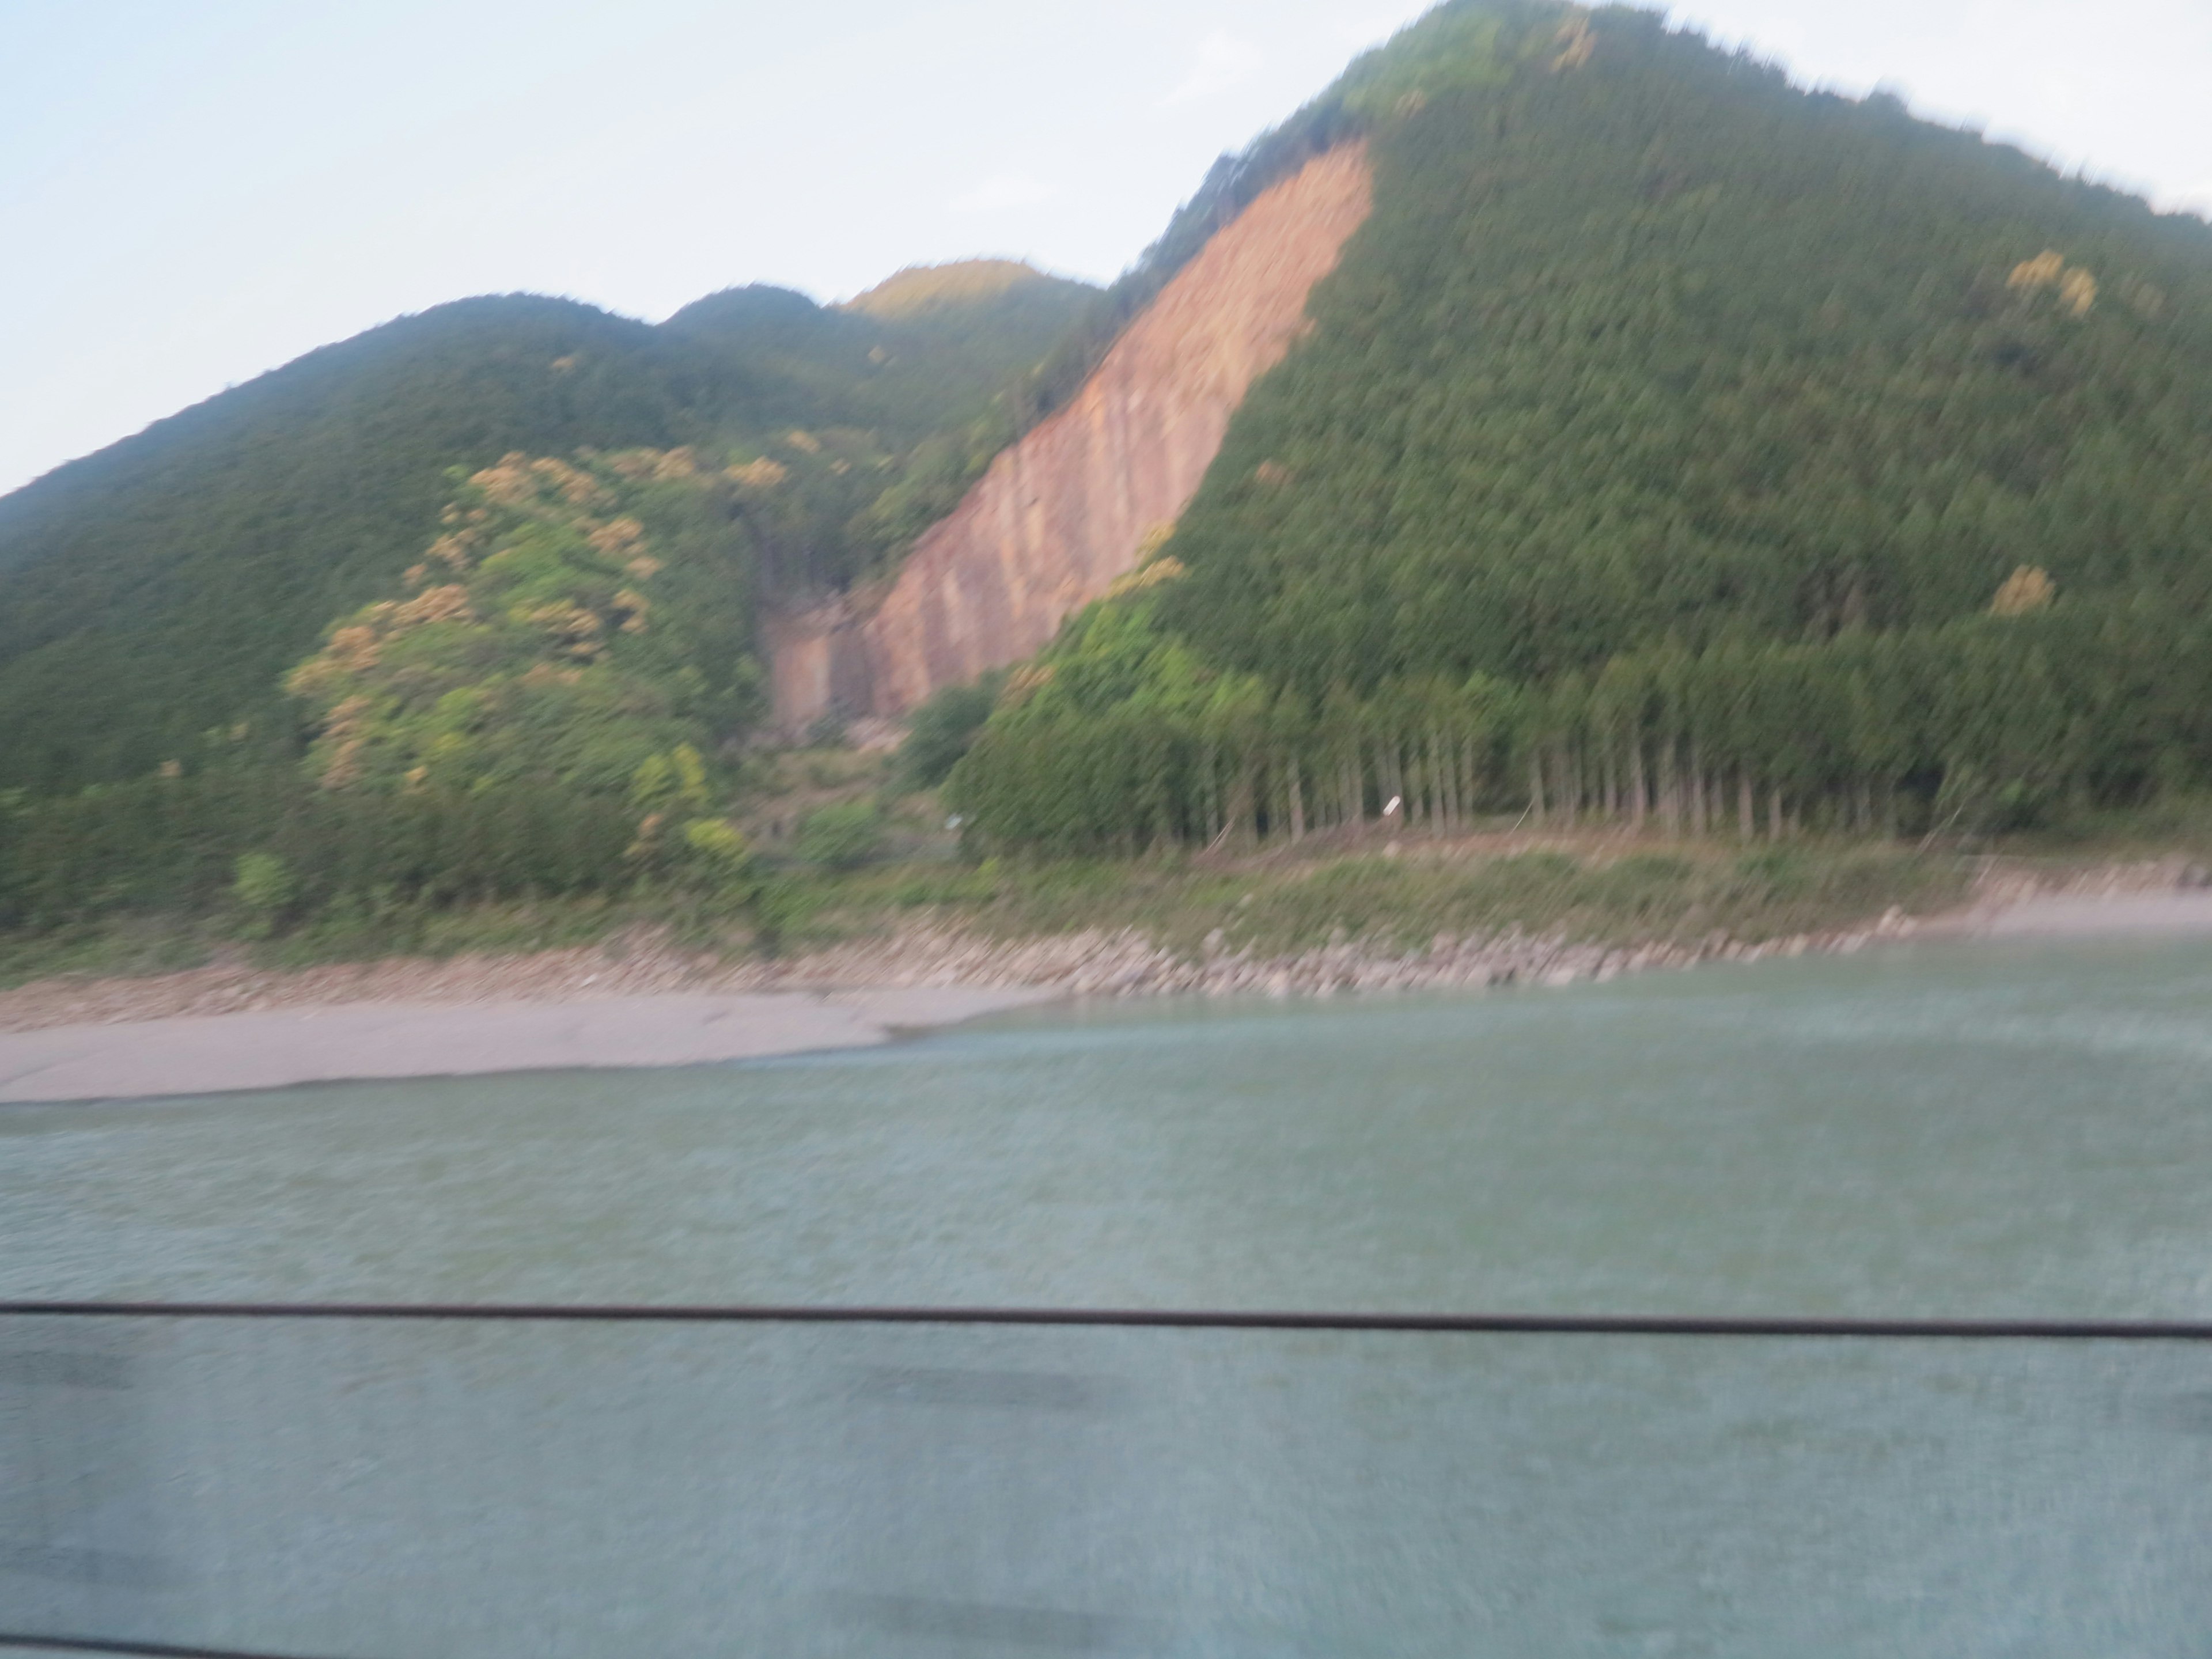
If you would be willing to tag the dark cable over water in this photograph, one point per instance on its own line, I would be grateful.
(2075, 1330)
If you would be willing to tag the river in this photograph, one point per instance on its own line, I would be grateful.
(1944, 1131)
(1958, 1130)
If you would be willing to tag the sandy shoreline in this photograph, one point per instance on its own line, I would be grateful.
(2084, 915)
(638, 1002)
(211, 1053)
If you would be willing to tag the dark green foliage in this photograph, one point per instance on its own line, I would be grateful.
(157, 590)
(174, 844)
(943, 728)
(881, 417)
(1696, 421)
(1984, 724)
(161, 587)
(1659, 347)
(841, 836)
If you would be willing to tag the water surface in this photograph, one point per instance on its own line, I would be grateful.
(1942, 1131)
(1954, 1131)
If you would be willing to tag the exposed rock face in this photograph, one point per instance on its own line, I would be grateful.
(1062, 514)
(816, 665)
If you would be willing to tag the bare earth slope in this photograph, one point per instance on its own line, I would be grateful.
(1062, 514)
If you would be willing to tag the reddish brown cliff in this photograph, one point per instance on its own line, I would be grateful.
(1062, 514)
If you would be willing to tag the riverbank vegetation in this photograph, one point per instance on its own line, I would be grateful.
(1578, 889)
(1121, 737)
(836, 850)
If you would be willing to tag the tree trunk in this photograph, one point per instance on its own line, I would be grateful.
(1439, 807)
(1746, 814)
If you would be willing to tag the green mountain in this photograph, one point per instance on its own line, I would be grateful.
(1675, 431)
(1670, 443)
(161, 588)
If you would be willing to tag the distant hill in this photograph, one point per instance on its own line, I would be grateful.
(920, 289)
(161, 586)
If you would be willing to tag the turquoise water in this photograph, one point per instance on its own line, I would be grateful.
(1956, 1132)
(1967, 1131)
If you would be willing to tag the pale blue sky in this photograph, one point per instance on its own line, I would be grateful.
(194, 190)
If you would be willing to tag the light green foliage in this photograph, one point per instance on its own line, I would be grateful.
(671, 782)
(1283, 905)
(1119, 740)
(720, 853)
(584, 623)
(841, 836)
(264, 889)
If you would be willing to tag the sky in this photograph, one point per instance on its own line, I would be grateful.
(191, 194)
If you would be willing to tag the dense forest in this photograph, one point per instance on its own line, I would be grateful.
(156, 592)
(1671, 443)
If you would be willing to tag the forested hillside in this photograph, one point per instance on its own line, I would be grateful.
(1670, 446)
(1671, 440)
(157, 591)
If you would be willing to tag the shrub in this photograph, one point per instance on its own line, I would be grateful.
(943, 729)
(719, 854)
(264, 888)
(843, 836)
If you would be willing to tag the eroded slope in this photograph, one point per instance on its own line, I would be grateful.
(1065, 512)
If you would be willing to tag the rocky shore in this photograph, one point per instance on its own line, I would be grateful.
(2162, 895)
(1127, 965)
(1091, 963)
